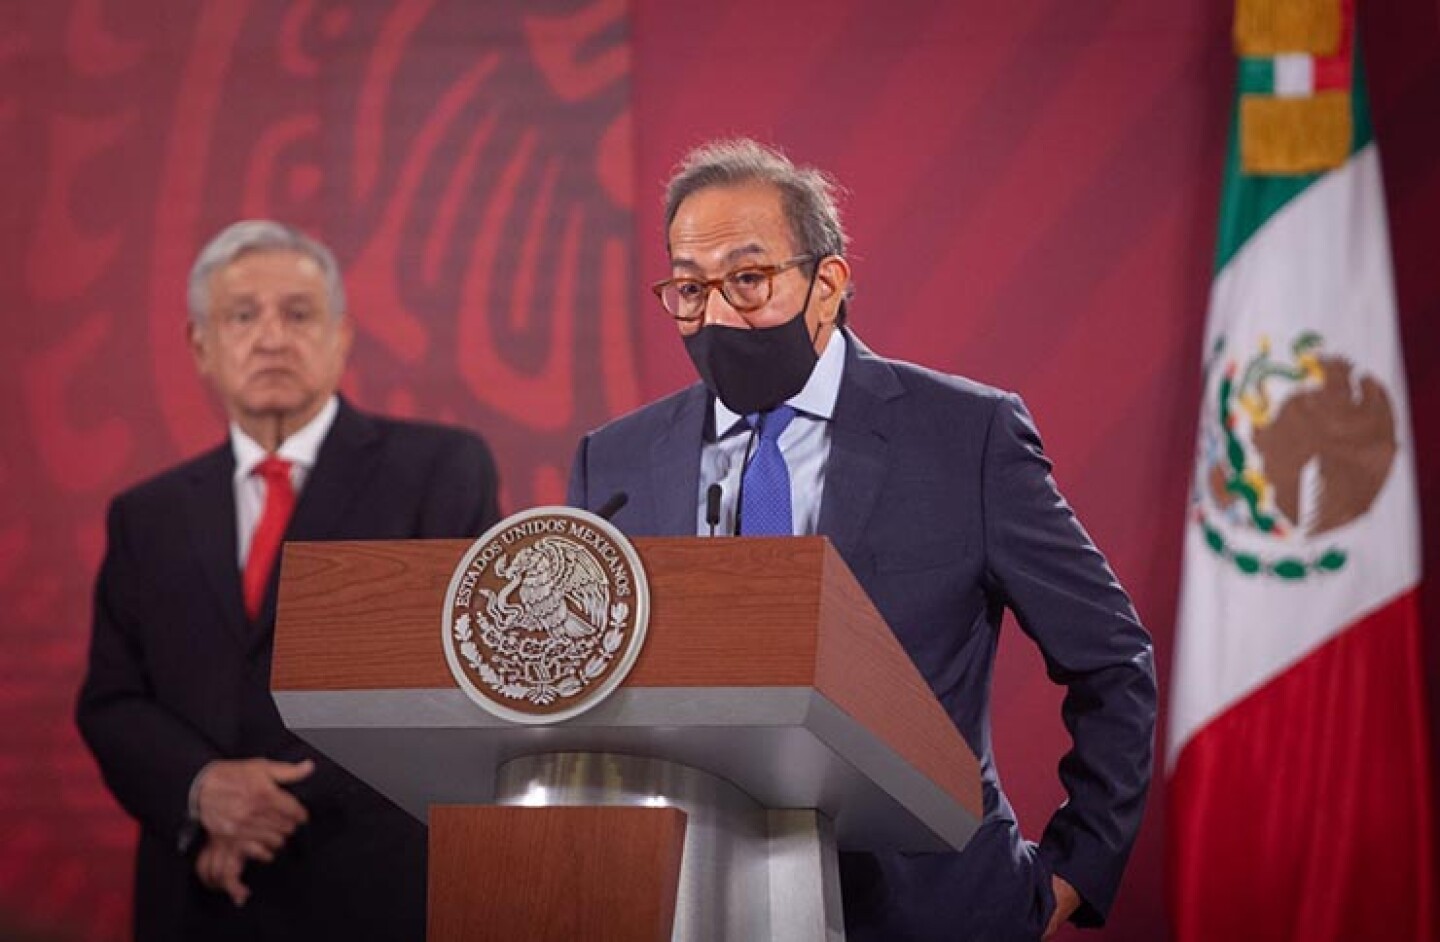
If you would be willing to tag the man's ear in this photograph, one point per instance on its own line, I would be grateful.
(832, 280)
(195, 339)
(347, 336)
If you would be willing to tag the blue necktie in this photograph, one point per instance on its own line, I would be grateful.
(765, 508)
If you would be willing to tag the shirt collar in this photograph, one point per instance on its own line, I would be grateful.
(816, 400)
(302, 448)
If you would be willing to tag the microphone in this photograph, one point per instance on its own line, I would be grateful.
(612, 506)
(712, 506)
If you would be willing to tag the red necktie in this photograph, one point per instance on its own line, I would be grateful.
(269, 532)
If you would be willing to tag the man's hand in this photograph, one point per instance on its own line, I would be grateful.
(1066, 902)
(243, 802)
(220, 865)
(247, 815)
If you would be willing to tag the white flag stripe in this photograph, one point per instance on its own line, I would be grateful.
(1294, 75)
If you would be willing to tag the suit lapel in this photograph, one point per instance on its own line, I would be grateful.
(859, 446)
(675, 465)
(346, 460)
(210, 507)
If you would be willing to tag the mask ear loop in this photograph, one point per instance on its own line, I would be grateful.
(809, 290)
(814, 276)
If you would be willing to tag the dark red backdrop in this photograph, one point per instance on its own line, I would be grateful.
(1034, 187)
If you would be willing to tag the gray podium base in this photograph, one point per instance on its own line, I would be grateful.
(747, 873)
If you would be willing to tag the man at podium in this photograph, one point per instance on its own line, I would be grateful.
(937, 493)
(246, 832)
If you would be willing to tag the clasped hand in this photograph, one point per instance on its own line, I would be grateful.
(247, 815)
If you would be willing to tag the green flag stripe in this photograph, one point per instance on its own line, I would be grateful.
(1247, 201)
(1257, 76)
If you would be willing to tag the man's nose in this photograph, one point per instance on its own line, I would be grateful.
(719, 311)
(272, 330)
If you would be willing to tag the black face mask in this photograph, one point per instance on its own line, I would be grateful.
(753, 370)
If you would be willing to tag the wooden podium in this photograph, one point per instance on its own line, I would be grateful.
(771, 709)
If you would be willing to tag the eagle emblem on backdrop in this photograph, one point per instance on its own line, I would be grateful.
(545, 615)
(1295, 444)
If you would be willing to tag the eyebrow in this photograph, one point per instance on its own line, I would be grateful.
(734, 255)
(253, 298)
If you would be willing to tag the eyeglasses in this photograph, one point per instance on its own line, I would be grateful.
(744, 289)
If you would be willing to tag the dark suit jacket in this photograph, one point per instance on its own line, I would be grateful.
(939, 497)
(178, 677)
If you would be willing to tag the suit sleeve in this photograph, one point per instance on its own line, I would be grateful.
(147, 754)
(1067, 599)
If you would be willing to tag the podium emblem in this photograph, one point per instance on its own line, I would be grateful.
(545, 615)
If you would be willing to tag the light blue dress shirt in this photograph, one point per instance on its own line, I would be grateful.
(805, 446)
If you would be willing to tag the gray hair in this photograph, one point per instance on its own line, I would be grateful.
(807, 194)
(258, 235)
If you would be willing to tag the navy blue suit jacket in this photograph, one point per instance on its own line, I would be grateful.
(179, 676)
(940, 499)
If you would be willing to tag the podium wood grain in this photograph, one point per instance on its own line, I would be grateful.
(607, 874)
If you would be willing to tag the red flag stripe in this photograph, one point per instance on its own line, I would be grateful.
(1286, 806)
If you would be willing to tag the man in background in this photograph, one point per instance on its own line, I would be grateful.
(245, 831)
(936, 492)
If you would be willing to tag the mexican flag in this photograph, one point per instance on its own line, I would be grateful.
(1299, 786)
